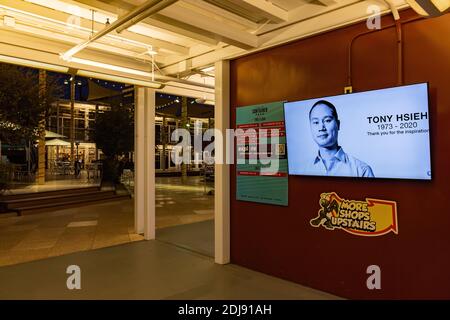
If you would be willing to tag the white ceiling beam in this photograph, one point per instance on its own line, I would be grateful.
(207, 58)
(24, 47)
(305, 12)
(46, 29)
(291, 5)
(19, 42)
(158, 21)
(181, 28)
(349, 14)
(272, 12)
(71, 40)
(327, 2)
(118, 25)
(223, 13)
(85, 24)
(221, 31)
(327, 20)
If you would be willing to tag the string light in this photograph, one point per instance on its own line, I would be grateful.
(166, 105)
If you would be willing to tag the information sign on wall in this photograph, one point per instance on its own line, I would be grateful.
(262, 170)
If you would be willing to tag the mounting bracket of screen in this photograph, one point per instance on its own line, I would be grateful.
(373, 134)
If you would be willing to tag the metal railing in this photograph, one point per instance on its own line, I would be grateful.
(127, 179)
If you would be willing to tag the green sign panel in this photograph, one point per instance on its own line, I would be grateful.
(262, 169)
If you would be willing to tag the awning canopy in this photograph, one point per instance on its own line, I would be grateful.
(51, 134)
(57, 142)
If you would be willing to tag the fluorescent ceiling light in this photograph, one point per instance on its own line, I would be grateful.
(108, 77)
(127, 70)
(110, 67)
(33, 64)
(83, 73)
(204, 101)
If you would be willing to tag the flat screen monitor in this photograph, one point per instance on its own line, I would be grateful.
(373, 134)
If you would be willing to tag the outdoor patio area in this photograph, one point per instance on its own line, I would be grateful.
(66, 230)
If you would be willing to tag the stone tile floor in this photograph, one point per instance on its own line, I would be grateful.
(67, 230)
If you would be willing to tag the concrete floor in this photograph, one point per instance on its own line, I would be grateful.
(197, 237)
(145, 270)
(68, 230)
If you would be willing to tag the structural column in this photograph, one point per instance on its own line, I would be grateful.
(72, 119)
(184, 122)
(144, 162)
(96, 148)
(40, 179)
(58, 127)
(222, 169)
(163, 131)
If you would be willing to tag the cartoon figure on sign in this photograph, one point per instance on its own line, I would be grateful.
(324, 217)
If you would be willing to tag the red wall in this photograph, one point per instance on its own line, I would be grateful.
(279, 240)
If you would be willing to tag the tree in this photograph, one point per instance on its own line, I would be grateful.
(21, 108)
(114, 135)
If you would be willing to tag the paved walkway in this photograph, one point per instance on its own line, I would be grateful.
(145, 270)
(66, 230)
(180, 203)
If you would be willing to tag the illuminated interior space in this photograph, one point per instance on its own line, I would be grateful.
(264, 141)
